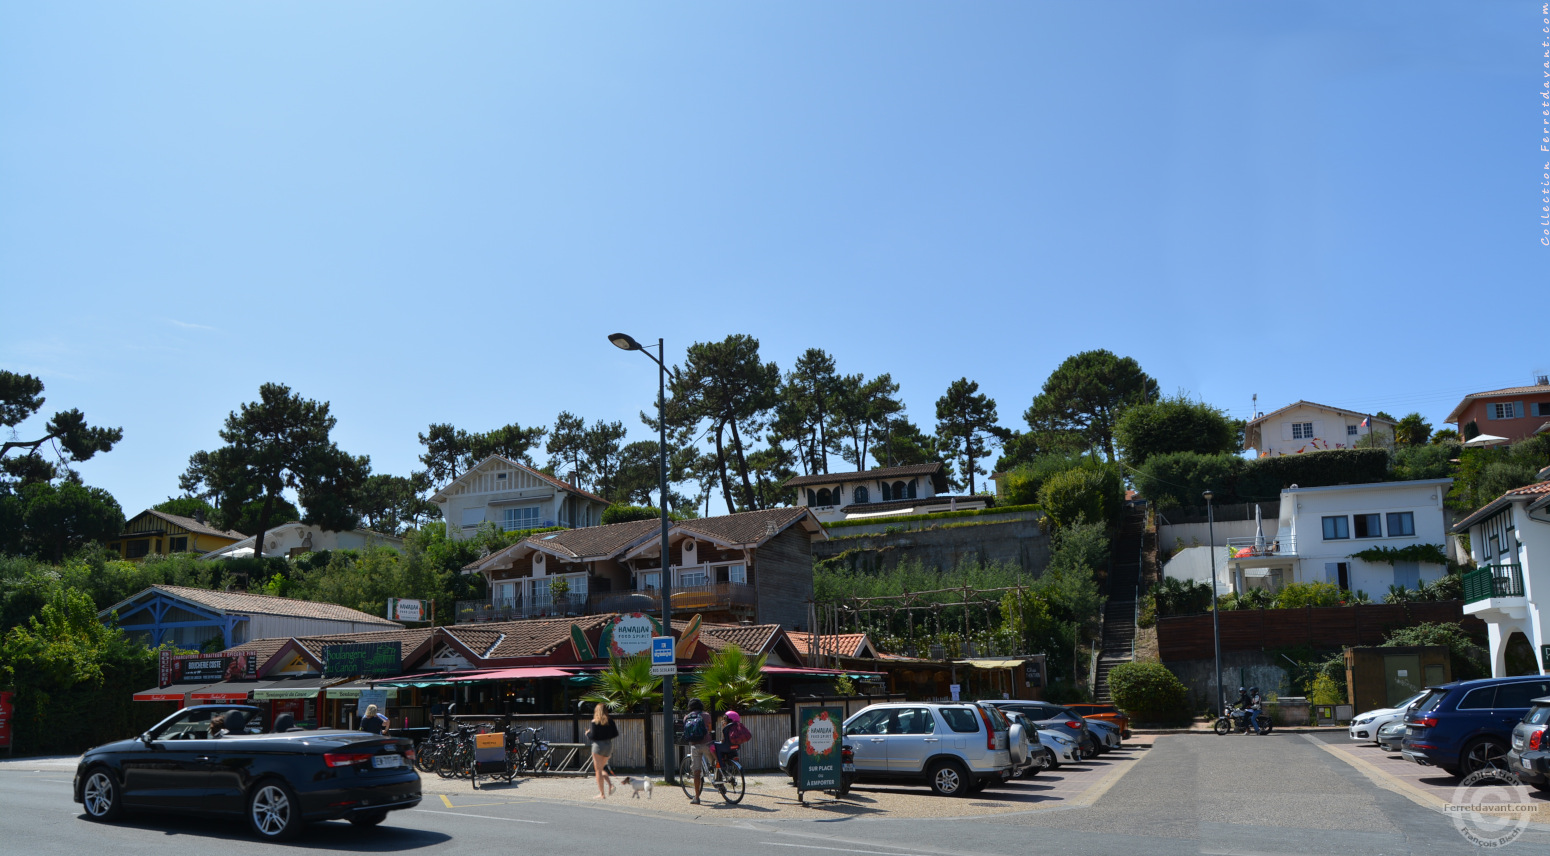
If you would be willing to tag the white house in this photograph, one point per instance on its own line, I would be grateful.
(295, 538)
(886, 492)
(514, 496)
(1308, 427)
(1509, 539)
(1321, 528)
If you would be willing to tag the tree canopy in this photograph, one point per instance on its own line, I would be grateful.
(729, 388)
(1173, 425)
(67, 432)
(967, 426)
(1087, 393)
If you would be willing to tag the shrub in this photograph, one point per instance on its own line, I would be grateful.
(1297, 595)
(1467, 659)
(625, 513)
(1267, 477)
(1177, 479)
(1149, 692)
(1023, 483)
(1324, 690)
(1093, 494)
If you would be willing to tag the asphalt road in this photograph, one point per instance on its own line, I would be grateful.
(1188, 794)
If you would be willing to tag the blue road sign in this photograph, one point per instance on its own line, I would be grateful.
(661, 650)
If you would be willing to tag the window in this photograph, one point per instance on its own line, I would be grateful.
(472, 517)
(732, 574)
(1503, 410)
(873, 721)
(860, 494)
(1338, 573)
(1401, 523)
(812, 498)
(961, 720)
(177, 545)
(824, 497)
(1540, 409)
(1352, 430)
(1520, 694)
(693, 577)
(1302, 430)
(136, 549)
(1368, 525)
(887, 491)
(649, 580)
(1481, 699)
(521, 517)
(1336, 528)
(914, 720)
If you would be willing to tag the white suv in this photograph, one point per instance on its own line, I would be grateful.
(957, 749)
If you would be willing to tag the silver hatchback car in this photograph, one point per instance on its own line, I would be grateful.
(957, 749)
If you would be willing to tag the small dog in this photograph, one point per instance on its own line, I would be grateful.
(637, 784)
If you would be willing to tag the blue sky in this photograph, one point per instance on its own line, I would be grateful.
(436, 212)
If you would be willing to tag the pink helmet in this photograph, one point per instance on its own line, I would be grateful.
(732, 716)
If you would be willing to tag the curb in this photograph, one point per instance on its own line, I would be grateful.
(1279, 729)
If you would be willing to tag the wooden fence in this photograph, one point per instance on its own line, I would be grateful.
(1188, 637)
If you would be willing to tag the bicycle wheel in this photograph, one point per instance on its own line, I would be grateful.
(731, 781)
(425, 759)
(686, 776)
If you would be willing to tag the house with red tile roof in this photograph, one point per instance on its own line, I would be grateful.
(513, 496)
(1509, 540)
(1516, 412)
(157, 533)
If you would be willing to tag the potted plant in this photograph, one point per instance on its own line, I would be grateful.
(559, 590)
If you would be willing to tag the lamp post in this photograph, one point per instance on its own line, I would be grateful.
(665, 583)
(1216, 627)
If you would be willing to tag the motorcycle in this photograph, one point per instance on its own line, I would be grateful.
(1227, 723)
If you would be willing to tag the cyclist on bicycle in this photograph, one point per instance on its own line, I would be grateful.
(697, 736)
(733, 734)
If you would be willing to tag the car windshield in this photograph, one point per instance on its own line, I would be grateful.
(1539, 714)
(1430, 700)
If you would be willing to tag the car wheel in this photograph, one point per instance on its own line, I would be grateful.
(1052, 761)
(101, 795)
(273, 812)
(1482, 754)
(366, 821)
(1543, 785)
(791, 769)
(949, 779)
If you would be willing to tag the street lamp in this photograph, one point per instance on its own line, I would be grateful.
(624, 342)
(1216, 627)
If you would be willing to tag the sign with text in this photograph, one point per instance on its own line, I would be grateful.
(371, 697)
(404, 609)
(821, 733)
(662, 650)
(205, 668)
(628, 635)
(6, 711)
(362, 658)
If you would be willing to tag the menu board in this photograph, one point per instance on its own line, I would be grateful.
(362, 658)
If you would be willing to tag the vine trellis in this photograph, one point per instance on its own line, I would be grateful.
(890, 621)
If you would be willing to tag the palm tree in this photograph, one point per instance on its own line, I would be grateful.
(731, 681)
(626, 685)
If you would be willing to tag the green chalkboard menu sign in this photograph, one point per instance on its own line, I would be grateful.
(378, 659)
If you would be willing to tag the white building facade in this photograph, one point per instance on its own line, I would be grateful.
(885, 492)
(295, 538)
(1509, 541)
(1308, 427)
(1320, 529)
(514, 496)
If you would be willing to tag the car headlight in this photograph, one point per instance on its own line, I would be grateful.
(1064, 741)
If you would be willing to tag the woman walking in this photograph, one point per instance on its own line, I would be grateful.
(601, 735)
(373, 722)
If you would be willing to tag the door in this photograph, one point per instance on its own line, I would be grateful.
(217, 770)
(867, 735)
(1513, 701)
(1401, 677)
(163, 776)
(912, 738)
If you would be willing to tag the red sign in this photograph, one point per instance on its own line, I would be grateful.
(5, 718)
(207, 668)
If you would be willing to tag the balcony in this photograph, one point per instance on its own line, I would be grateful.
(1261, 551)
(1489, 582)
(735, 598)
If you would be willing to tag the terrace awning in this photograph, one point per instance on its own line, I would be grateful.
(170, 693)
(307, 687)
(788, 670)
(226, 691)
(353, 690)
(513, 674)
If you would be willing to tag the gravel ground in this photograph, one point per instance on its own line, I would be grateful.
(770, 795)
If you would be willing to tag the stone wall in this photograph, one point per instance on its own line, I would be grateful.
(1239, 669)
(1019, 540)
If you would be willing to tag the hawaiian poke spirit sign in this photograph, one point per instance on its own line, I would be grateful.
(205, 668)
(631, 635)
(821, 736)
(362, 658)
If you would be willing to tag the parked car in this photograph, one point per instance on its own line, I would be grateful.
(1391, 736)
(1022, 740)
(1106, 733)
(1061, 748)
(956, 749)
(1365, 726)
(1103, 713)
(277, 781)
(1467, 726)
(1054, 716)
(1529, 758)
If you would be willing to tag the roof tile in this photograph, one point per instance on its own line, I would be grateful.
(264, 604)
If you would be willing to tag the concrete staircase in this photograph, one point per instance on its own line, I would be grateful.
(1119, 613)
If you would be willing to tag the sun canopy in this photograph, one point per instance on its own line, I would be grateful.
(788, 670)
(1009, 663)
(307, 687)
(513, 674)
(172, 693)
(226, 691)
(1484, 440)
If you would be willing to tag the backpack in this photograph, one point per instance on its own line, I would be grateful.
(695, 730)
(737, 734)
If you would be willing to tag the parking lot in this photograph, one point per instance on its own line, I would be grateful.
(1428, 786)
(772, 797)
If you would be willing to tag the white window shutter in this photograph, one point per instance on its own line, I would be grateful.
(1286, 430)
(1332, 572)
(472, 516)
(1318, 428)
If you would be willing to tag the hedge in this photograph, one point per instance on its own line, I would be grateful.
(1149, 692)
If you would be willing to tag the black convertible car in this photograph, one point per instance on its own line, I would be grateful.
(278, 780)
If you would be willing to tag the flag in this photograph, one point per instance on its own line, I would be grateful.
(1366, 420)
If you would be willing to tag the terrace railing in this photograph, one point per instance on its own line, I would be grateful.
(1488, 581)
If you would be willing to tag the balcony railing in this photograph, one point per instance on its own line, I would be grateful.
(1488, 581)
(716, 597)
(1254, 547)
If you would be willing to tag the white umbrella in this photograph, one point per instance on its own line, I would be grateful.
(1259, 530)
(1485, 440)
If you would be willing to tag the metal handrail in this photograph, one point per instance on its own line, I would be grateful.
(1491, 581)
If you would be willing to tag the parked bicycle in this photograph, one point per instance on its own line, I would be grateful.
(530, 753)
(724, 775)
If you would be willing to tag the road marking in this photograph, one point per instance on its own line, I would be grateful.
(1381, 778)
(837, 849)
(482, 816)
(55, 781)
(448, 803)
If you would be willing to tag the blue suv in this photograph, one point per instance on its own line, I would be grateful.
(1467, 725)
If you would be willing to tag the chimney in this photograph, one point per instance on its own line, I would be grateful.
(199, 515)
(1543, 380)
